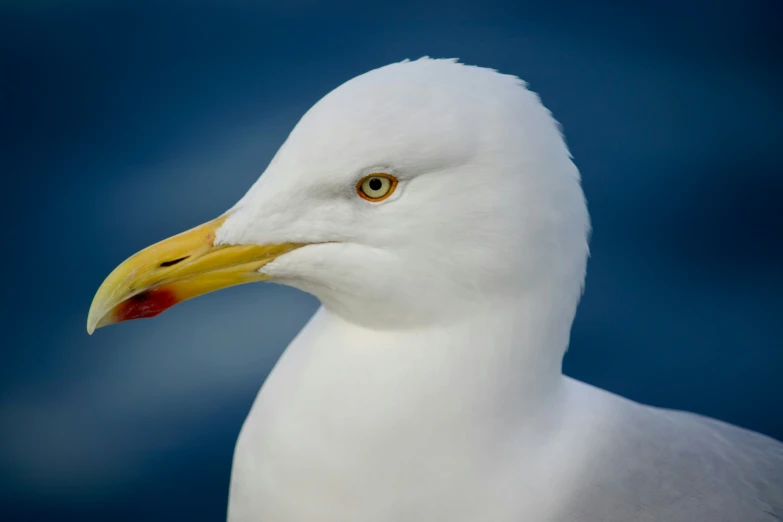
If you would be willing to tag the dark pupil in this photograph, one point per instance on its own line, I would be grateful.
(375, 184)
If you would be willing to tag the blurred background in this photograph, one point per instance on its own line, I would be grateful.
(123, 122)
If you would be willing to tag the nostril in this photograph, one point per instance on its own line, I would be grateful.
(173, 261)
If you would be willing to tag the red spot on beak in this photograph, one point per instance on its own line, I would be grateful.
(148, 303)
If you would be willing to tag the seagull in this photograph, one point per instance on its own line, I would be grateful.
(435, 211)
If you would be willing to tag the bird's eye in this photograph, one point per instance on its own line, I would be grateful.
(376, 187)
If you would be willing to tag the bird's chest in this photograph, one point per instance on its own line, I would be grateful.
(289, 467)
(344, 433)
(300, 457)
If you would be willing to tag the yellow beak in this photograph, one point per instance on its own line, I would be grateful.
(176, 269)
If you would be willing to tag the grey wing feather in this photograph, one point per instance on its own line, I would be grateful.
(669, 466)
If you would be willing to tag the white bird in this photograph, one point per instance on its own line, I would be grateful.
(435, 211)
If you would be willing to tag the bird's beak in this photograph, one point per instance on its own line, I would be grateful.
(176, 269)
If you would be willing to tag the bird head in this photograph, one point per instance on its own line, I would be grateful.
(409, 195)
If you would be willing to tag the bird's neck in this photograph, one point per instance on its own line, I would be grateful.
(408, 419)
(503, 365)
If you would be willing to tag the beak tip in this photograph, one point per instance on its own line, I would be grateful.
(90, 325)
(93, 321)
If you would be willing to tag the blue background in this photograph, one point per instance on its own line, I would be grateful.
(125, 122)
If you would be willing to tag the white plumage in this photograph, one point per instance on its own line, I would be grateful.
(428, 387)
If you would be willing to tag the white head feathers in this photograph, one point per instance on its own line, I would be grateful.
(489, 206)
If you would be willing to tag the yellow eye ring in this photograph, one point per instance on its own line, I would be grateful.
(376, 187)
